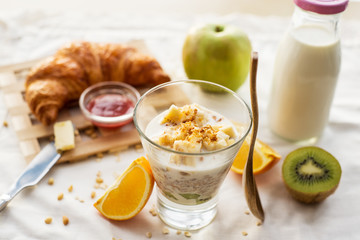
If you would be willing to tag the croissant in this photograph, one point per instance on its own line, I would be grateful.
(64, 76)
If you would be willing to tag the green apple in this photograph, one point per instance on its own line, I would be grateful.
(217, 53)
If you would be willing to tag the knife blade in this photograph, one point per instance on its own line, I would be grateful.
(32, 174)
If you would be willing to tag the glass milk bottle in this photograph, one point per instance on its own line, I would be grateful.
(306, 69)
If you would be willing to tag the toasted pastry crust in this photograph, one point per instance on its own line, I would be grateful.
(64, 76)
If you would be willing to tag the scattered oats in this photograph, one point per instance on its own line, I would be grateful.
(165, 230)
(100, 155)
(178, 232)
(89, 131)
(79, 199)
(244, 233)
(93, 194)
(76, 132)
(70, 189)
(153, 211)
(51, 181)
(247, 212)
(259, 223)
(148, 234)
(65, 220)
(101, 186)
(60, 196)
(187, 234)
(5, 123)
(98, 174)
(98, 159)
(99, 180)
(48, 220)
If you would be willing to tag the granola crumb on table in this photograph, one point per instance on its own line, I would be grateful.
(60, 196)
(51, 181)
(165, 230)
(48, 220)
(65, 220)
(187, 234)
(93, 194)
(148, 234)
(99, 180)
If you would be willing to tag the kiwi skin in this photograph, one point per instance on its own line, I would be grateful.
(305, 194)
(310, 198)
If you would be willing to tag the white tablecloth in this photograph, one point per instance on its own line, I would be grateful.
(31, 35)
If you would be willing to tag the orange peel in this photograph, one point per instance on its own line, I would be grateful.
(264, 157)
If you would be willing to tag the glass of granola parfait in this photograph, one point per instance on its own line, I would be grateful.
(191, 131)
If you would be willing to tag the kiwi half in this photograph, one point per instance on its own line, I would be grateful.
(311, 174)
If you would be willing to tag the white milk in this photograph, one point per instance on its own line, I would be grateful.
(305, 75)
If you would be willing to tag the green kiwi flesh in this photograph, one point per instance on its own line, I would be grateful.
(311, 174)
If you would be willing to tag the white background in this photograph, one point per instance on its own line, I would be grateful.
(32, 29)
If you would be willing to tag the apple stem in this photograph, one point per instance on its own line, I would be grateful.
(219, 28)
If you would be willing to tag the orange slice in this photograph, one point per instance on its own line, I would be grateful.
(264, 157)
(127, 196)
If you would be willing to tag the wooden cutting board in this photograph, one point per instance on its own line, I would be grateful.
(89, 139)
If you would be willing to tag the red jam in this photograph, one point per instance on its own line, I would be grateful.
(110, 105)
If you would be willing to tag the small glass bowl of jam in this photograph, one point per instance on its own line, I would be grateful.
(109, 104)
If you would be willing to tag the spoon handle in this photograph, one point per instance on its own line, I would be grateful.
(251, 192)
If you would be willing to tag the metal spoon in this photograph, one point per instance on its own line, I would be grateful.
(251, 192)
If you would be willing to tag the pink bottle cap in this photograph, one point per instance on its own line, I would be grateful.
(323, 6)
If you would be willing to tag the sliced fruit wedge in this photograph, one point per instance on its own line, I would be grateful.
(264, 157)
(127, 196)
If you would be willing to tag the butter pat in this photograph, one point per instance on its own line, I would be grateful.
(64, 135)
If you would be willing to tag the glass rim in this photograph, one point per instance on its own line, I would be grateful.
(187, 153)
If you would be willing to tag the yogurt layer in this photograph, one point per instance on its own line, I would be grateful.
(196, 178)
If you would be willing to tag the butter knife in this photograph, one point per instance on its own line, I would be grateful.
(32, 174)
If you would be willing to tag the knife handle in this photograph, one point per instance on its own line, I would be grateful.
(4, 200)
(7, 197)
(11, 193)
(32, 174)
